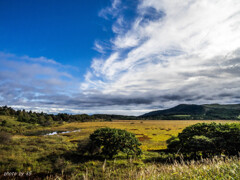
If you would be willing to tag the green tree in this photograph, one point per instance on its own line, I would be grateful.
(207, 139)
(42, 120)
(173, 144)
(112, 141)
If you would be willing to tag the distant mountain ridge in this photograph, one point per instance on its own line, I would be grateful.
(193, 111)
(179, 112)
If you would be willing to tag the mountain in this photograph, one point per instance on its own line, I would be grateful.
(180, 112)
(192, 111)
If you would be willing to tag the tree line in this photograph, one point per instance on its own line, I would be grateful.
(45, 119)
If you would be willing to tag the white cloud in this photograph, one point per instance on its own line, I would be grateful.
(99, 47)
(112, 10)
(26, 80)
(184, 50)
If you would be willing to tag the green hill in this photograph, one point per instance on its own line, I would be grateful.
(180, 112)
(192, 111)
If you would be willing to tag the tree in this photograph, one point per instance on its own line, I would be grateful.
(42, 120)
(112, 141)
(207, 139)
(173, 144)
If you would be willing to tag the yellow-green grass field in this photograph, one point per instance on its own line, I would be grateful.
(152, 133)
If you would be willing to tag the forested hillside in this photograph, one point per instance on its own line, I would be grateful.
(181, 112)
(208, 111)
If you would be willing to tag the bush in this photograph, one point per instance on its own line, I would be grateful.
(110, 142)
(174, 144)
(207, 139)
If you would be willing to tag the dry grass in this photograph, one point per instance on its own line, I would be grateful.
(152, 133)
(207, 169)
(216, 168)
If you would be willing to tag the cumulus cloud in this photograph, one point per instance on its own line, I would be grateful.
(173, 52)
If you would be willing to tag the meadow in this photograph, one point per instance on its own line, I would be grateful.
(33, 152)
(151, 133)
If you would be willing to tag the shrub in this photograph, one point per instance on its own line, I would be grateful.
(174, 144)
(207, 139)
(110, 142)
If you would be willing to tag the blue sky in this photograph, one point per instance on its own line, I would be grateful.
(118, 56)
(56, 29)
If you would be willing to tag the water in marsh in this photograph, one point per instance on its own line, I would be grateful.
(61, 132)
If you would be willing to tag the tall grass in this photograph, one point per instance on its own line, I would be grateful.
(216, 168)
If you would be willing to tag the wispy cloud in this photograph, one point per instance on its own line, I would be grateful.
(173, 52)
(113, 10)
(42, 84)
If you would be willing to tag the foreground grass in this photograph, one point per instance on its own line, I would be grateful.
(36, 154)
(216, 168)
